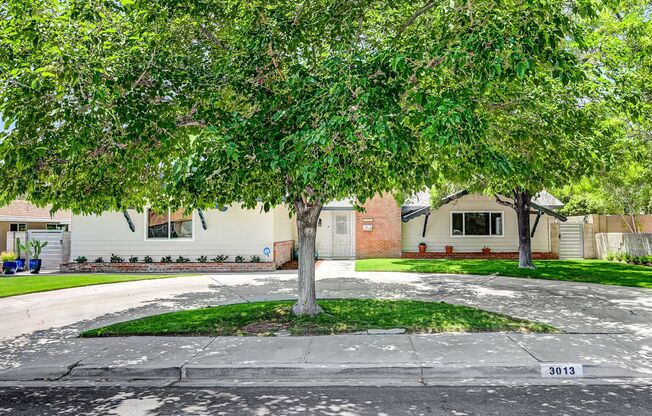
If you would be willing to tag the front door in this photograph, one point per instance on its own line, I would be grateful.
(342, 235)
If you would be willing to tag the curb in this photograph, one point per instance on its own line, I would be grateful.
(300, 374)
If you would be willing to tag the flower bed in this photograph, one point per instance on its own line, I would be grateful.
(158, 267)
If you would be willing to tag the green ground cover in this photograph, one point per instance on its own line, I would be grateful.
(21, 284)
(586, 271)
(340, 316)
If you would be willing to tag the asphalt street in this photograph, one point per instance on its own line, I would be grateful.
(340, 401)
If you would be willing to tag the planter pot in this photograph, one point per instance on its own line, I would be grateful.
(9, 267)
(20, 265)
(449, 249)
(35, 265)
(422, 249)
(486, 251)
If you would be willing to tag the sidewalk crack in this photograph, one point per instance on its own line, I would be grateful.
(523, 348)
(182, 368)
(67, 373)
(422, 380)
(228, 289)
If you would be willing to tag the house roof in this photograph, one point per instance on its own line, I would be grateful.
(23, 211)
(419, 204)
(340, 205)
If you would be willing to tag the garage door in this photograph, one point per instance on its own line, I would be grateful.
(571, 241)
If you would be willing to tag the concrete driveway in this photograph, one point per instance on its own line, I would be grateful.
(572, 307)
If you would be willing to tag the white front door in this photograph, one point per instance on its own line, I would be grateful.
(342, 235)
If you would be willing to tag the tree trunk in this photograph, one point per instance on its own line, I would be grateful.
(307, 217)
(522, 206)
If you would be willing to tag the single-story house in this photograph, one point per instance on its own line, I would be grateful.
(384, 229)
(21, 220)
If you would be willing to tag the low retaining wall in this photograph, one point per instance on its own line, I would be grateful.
(476, 255)
(166, 267)
(634, 244)
(283, 252)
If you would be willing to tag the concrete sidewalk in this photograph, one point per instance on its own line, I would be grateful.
(447, 358)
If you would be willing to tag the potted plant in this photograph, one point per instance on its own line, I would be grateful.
(8, 262)
(422, 247)
(449, 249)
(34, 248)
(20, 261)
(486, 250)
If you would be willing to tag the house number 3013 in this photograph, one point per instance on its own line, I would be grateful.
(562, 370)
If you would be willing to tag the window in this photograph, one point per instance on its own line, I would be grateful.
(169, 226)
(477, 223)
(17, 227)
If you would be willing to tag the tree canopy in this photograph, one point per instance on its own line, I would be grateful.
(119, 104)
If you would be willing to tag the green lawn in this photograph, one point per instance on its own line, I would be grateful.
(586, 271)
(21, 284)
(341, 316)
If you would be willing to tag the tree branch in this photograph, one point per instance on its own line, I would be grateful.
(414, 17)
(505, 203)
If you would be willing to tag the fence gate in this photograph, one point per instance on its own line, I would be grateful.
(571, 241)
(52, 254)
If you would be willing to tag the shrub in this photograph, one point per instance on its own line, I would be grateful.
(627, 258)
(98, 260)
(182, 259)
(254, 259)
(610, 257)
(133, 259)
(620, 256)
(116, 259)
(202, 259)
(239, 259)
(81, 259)
(166, 259)
(220, 258)
(8, 256)
(148, 259)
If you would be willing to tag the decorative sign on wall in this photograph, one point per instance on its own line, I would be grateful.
(367, 227)
(267, 251)
(367, 220)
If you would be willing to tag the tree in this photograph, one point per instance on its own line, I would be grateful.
(620, 52)
(189, 104)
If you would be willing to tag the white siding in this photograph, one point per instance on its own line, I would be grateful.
(283, 225)
(234, 232)
(438, 231)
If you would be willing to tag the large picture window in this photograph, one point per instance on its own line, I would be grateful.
(477, 223)
(169, 226)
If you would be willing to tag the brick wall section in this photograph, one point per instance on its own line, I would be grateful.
(384, 240)
(477, 255)
(283, 252)
(166, 267)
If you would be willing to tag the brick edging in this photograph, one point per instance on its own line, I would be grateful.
(476, 255)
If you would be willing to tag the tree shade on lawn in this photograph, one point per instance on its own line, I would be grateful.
(340, 316)
(20, 285)
(585, 271)
(197, 103)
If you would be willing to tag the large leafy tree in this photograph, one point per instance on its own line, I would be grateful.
(191, 103)
(548, 132)
(621, 54)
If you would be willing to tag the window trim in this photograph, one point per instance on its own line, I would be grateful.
(18, 224)
(450, 225)
(168, 239)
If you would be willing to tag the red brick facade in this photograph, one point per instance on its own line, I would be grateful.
(283, 252)
(476, 255)
(378, 229)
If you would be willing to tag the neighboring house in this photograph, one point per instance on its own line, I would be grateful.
(21, 220)
(21, 216)
(384, 229)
